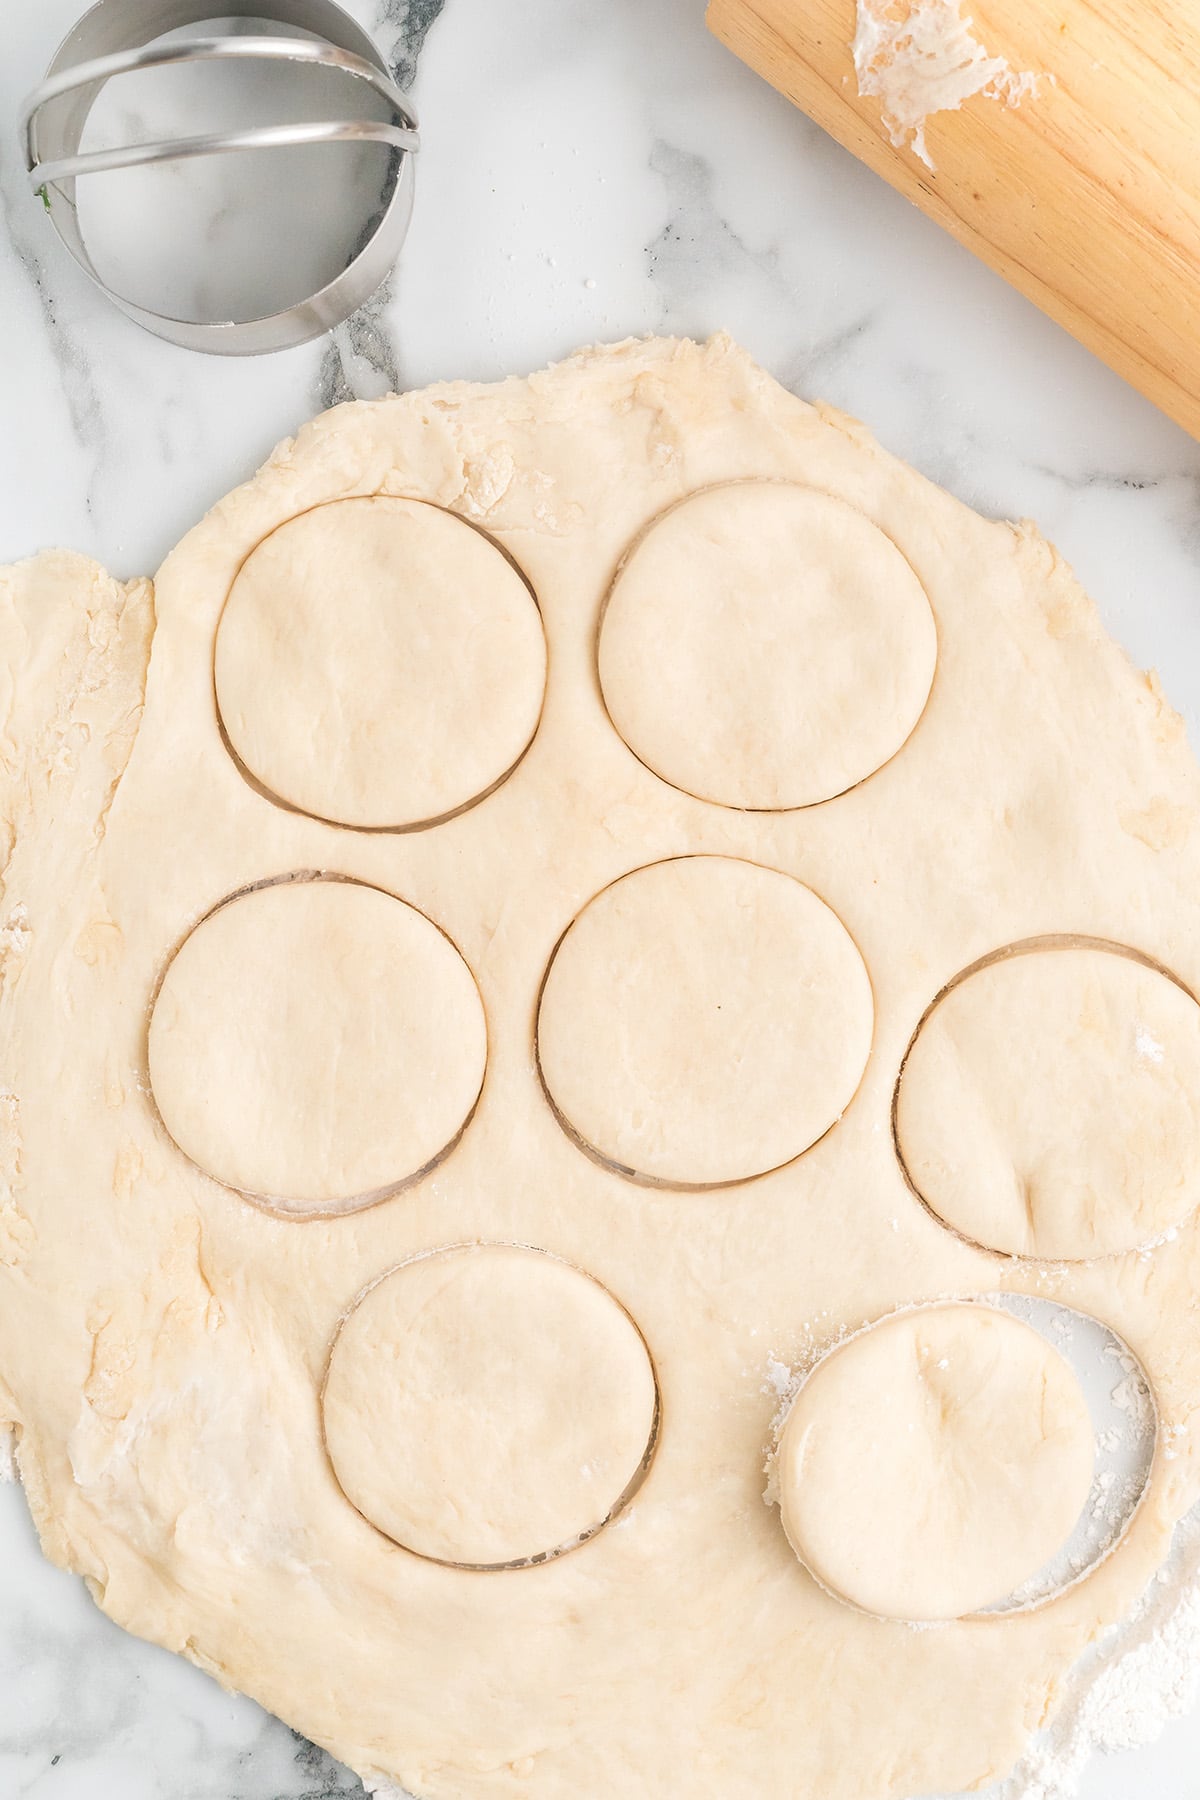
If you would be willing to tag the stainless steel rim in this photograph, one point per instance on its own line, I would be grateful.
(100, 69)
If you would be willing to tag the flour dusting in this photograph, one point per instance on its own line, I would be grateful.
(1145, 1671)
(1134, 1682)
(921, 57)
(780, 1381)
(8, 1454)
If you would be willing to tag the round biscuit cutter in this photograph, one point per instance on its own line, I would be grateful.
(119, 37)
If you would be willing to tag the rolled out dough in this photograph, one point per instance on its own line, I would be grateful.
(379, 663)
(488, 1405)
(934, 1462)
(704, 1020)
(765, 645)
(164, 1343)
(1050, 1104)
(315, 1044)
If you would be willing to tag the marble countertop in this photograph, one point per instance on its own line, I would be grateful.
(588, 172)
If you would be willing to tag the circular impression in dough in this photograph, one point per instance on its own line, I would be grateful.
(316, 1043)
(703, 1021)
(379, 663)
(489, 1406)
(765, 646)
(934, 1462)
(1049, 1104)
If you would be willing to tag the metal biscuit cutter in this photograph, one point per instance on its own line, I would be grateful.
(118, 37)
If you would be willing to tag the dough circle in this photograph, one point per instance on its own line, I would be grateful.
(378, 663)
(314, 1042)
(934, 1462)
(1050, 1103)
(703, 1021)
(765, 646)
(488, 1405)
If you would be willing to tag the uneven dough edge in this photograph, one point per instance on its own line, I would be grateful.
(74, 657)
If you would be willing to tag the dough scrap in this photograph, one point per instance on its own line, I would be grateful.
(765, 645)
(704, 1020)
(163, 1344)
(934, 1462)
(1050, 1104)
(487, 1405)
(379, 663)
(315, 1044)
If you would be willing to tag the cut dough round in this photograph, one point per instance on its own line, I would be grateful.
(703, 1021)
(315, 1042)
(1050, 1103)
(489, 1405)
(766, 646)
(934, 1462)
(379, 663)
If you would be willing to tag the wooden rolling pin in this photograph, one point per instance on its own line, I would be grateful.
(1077, 177)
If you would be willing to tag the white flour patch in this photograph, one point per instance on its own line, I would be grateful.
(8, 1453)
(1145, 1671)
(921, 57)
(779, 1380)
(1137, 1679)
(782, 1382)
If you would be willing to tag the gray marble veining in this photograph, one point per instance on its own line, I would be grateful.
(361, 359)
